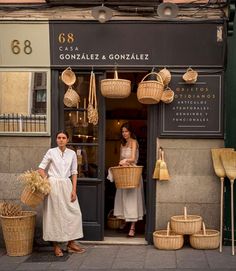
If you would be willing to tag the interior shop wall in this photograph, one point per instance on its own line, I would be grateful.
(193, 181)
(19, 154)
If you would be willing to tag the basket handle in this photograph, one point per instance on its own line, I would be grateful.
(189, 69)
(204, 228)
(159, 79)
(185, 213)
(110, 212)
(168, 229)
(116, 75)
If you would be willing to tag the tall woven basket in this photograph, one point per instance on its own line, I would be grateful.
(127, 176)
(31, 198)
(115, 88)
(150, 92)
(18, 233)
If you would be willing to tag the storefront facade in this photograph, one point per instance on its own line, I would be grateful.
(187, 128)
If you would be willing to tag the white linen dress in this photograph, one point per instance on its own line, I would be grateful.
(129, 203)
(62, 219)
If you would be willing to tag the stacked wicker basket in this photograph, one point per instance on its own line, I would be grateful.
(186, 225)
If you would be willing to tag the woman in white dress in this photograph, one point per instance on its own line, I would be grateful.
(129, 203)
(62, 219)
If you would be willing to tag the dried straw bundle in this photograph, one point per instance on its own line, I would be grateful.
(10, 209)
(156, 173)
(229, 162)
(33, 180)
(164, 173)
(217, 163)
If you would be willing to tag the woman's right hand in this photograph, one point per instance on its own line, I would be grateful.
(123, 162)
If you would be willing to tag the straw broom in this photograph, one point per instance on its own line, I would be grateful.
(164, 174)
(156, 173)
(220, 172)
(229, 163)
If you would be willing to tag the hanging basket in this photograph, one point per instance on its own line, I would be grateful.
(186, 224)
(18, 233)
(165, 75)
(113, 222)
(167, 96)
(31, 198)
(190, 76)
(115, 88)
(68, 77)
(150, 92)
(127, 176)
(71, 98)
(205, 239)
(167, 239)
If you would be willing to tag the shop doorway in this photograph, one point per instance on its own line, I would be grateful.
(119, 111)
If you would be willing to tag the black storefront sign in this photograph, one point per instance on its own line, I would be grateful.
(133, 44)
(196, 110)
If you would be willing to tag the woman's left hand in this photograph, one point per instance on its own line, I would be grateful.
(73, 196)
(123, 162)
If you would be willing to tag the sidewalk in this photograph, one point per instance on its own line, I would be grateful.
(122, 257)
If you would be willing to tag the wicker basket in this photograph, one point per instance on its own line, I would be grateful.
(190, 76)
(205, 239)
(150, 92)
(115, 88)
(71, 98)
(68, 77)
(167, 96)
(127, 176)
(18, 233)
(113, 222)
(30, 198)
(186, 224)
(165, 75)
(168, 240)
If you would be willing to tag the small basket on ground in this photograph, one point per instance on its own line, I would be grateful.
(150, 92)
(18, 233)
(127, 176)
(205, 239)
(186, 224)
(68, 77)
(115, 88)
(31, 198)
(167, 96)
(190, 76)
(113, 222)
(167, 239)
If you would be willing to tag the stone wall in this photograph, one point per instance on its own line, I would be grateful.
(193, 181)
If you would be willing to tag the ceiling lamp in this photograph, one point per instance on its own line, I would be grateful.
(102, 14)
(167, 10)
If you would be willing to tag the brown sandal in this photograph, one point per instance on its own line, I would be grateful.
(131, 232)
(74, 248)
(57, 251)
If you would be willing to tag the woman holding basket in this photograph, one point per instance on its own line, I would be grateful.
(62, 219)
(129, 203)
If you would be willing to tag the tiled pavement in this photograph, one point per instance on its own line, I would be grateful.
(122, 257)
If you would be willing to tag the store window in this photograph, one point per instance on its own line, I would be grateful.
(24, 102)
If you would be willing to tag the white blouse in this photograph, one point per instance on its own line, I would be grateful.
(60, 164)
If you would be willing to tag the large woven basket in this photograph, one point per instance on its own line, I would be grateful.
(186, 224)
(167, 239)
(205, 239)
(18, 233)
(112, 221)
(68, 77)
(31, 198)
(150, 92)
(115, 88)
(127, 176)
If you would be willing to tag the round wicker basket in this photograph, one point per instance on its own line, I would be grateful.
(127, 176)
(167, 240)
(205, 239)
(166, 76)
(190, 76)
(68, 77)
(112, 221)
(150, 92)
(18, 233)
(186, 224)
(71, 98)
(31, 198)
(167, 96)
(115, 88)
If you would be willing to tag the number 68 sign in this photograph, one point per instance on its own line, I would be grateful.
(17, 47)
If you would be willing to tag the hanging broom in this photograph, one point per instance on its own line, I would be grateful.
(156, 173)
(229, 163)
(164, 174)
(220, 172)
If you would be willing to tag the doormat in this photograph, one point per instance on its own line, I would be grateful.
(46, 256)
